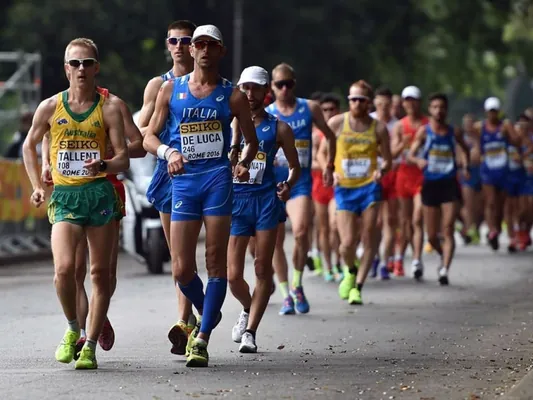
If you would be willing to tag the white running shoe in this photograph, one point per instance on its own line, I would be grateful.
(248, 344)
(240, 327)
(443, 276)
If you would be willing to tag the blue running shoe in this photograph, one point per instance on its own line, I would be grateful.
(302, 306)
(384, 273)
(288, 307)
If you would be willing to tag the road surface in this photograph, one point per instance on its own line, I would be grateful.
(409, 341)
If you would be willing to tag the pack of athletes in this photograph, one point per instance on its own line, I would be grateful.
(301, 122)
(159, 192)
(203, 136)
(74, 139)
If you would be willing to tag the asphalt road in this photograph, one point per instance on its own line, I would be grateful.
(409, 341)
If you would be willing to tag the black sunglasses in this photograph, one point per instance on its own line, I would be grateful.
(326, 109)
(289, 83)
(210, 44)
(183, 40)
(86, 62)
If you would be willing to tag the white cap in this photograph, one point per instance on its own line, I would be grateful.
(254, 75)
(207, 30)
(412, 92)
(492, 103)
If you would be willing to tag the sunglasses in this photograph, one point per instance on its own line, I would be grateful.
(86, 62)
(210, 44)
(328, 109)
(357, 98)
(183, 40)
(289, 83)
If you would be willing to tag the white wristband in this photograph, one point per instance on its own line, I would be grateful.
(161, 150)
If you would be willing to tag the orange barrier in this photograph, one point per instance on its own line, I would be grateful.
(15, 192)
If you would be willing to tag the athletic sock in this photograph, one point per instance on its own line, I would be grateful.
(91, 344)
(215, 294)
(297, 279)
(284, 289)
(73, 325)
(194, 291)
(83, 334)
(251, 332)
(359, 286)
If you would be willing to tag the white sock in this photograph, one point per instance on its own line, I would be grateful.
(82, 333)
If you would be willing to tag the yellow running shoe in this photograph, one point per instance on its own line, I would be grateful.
(178, 336)
(355, 297)
(347, 283)
(87, 359)
(198, 356)
(67, 348)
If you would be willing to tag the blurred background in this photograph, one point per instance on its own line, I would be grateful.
(469, 49)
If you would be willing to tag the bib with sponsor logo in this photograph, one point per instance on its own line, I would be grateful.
(74, 139)
(202, 140)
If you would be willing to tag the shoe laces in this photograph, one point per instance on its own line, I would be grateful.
(242, 322)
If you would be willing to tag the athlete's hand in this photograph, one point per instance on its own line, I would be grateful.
(377, 176)
(241, 173)
(466, 174)
(93, 166)
(327, 177)
(421, 163)
(284, 191)
(176, 163)
(38, 197)
(46, 175)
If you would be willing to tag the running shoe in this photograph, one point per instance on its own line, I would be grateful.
(106, 340)
(67, 348)
(301, 303)
(384, 273)
(79, 345)
(248, 343)
(87, 359)
(198, 356)
(398, 268)
(492, 238)
(443, 276)
(288, 307)
(240, 327)
(347, 284)
(355, 297)
(417, 269)
(317, 263)
(374, 267)
(328, 275)
(178, 336)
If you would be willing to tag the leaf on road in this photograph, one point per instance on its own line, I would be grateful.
(281, 347)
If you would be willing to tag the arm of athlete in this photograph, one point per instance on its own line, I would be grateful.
(149, 99)
(285, 140)
(382, 135)
(464, 151)
(241, 110)
(46, 174)
(135, 139)
(511, 134)
(235, 142)
(331, 140)
(418, 141)
(39, 127)
(334, 124)
(397, 142)
(120, 161)
(315, 165)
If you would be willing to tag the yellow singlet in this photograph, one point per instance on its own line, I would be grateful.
(357, 155)
(75, 138)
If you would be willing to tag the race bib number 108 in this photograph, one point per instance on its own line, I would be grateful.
(71, 162)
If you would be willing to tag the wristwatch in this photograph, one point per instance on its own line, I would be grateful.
(288, 184)
(103, 166)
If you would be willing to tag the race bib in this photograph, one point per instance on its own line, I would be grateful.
(257, 170)
(438, 164)
(71, 162)
(356, 168)
(496, 159)
(281, 160)
(515, 161)
(201, 140)
(304, 152)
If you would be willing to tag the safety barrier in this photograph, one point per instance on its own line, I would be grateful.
(24, 229)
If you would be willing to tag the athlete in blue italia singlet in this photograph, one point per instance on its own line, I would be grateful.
(300, 115)
(494, 137)
(440, 189)
(179, 35)
(256, 209)
(199, 108)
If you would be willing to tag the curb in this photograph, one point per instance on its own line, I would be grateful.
(523, 390)
(11, 260)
